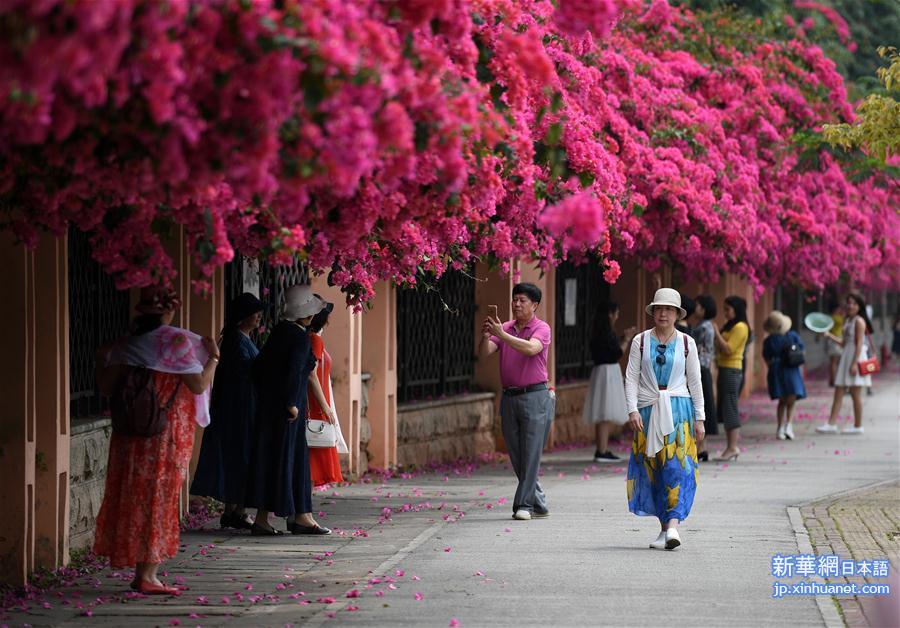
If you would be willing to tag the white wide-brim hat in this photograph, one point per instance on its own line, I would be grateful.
(300, 302)
(667, 296)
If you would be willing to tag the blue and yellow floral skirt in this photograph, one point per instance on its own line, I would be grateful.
(664, 485)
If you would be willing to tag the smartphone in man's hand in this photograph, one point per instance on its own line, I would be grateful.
(492, 311)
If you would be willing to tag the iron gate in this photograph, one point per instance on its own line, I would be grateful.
(436, 338)
(579, 289)
(273, 281)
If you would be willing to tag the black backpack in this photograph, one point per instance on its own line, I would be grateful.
(135, 407)
(793, 355)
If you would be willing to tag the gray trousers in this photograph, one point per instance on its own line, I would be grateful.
(525, 421)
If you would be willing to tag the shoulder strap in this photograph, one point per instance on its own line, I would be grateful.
(171, 401)
(642, 344)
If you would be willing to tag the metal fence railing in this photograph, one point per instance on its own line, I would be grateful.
(98, 313)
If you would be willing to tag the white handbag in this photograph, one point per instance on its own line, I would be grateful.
(320, 433)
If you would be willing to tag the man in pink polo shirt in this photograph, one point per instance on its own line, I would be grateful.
(527, 406)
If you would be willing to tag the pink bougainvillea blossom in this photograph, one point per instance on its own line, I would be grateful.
(575, 17)
(378, 140)
(834, 18)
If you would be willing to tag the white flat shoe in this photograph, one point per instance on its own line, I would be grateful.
(789, 431)
(852, 430)
(660, 542)
(827, 428)
(780, 434)
(672, 539)
(522, 515)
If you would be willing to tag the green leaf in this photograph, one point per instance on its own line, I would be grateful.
(504, 149)
(422, 134)
(557, 102)
(554, 133)
(314, 89)
(497, 90)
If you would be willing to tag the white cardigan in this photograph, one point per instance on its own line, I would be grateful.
(642, 389)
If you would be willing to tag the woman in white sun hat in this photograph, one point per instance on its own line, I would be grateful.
(664, 397)
(279, 478)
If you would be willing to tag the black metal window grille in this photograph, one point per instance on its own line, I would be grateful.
(579, 289)
(436, 338)
(98, 313)
(273, 281)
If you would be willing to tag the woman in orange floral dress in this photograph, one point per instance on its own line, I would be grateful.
(138, 520)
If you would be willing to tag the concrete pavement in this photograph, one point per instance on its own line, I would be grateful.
(440, 548)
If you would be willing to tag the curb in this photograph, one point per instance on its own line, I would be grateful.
(828, 610)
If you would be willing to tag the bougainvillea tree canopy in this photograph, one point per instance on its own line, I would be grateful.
(380, 138)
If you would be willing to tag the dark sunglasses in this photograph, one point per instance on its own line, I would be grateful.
(661, 357)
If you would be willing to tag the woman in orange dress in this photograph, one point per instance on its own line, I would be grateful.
(324, 463)
(138, 520)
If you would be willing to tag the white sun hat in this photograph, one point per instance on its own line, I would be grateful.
(300, 302)
(670, 297)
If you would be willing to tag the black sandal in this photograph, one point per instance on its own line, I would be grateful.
(241, 521)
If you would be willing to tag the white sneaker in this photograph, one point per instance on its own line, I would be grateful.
(672, 539)
(852, 430)
(660, 542)
(789, 431)
(522, 515)
(827, 428)
(780, 433)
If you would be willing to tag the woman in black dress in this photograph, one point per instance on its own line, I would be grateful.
(279, 479)
(225, 453)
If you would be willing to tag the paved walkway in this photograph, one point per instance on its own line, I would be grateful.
(440, 549)
(864, 525)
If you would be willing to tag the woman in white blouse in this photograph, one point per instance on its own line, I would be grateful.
(664, 396)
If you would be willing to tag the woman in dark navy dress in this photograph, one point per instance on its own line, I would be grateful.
(225, 452)
(785, 382)
(279, 479)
